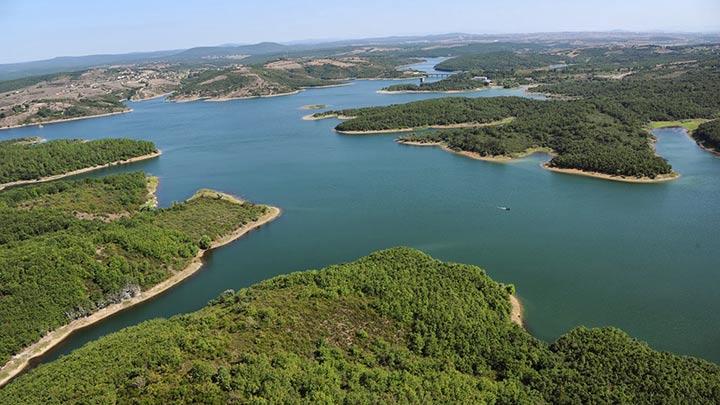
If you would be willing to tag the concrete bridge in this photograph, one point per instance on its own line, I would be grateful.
(440, 75)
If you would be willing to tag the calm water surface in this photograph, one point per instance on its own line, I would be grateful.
(581, 251)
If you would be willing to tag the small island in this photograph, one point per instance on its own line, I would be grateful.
(314, 107)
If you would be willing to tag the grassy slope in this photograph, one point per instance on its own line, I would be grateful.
(690, 124)
(396, 326)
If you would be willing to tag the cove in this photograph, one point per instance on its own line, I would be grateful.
(580, 251)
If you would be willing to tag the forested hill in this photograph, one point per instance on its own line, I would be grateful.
(31, 159)
(396, 326)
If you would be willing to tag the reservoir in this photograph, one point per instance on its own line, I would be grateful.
(580, 251)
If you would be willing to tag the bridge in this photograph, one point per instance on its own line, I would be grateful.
(440, 75)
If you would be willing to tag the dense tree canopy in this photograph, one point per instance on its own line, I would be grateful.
(502, 63)
(29, 160)
(396, 326)
(708, 134)
(72, 247)
(456, 82)
(584, 135)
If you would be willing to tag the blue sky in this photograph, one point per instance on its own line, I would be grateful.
(38, 29)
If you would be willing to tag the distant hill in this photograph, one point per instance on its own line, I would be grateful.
(266, 49)
(223, 51)
(71, 63)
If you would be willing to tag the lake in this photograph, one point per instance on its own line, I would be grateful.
(581, 251)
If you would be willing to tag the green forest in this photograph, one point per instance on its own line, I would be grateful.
(30, 159)
(68, 248)
(583, 134)
(397, 326)
(708, 134)
(456, 82)
(502, 63)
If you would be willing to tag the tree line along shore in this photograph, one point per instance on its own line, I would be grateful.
(598, 127)
(76, 251)
(395, 326)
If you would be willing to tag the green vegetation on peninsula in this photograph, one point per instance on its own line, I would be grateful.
(32, 159)
(396, 326)
(708, 135)
(455, 83)
(582, 135)
(71, 248)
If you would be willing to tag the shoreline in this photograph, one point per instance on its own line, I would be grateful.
(531, 151)
(327, 86)
(390, 131)
(477, 156)
(81, 171)
(383, 91)
(624, 179)
(313, 107)
(689, 135)
(137, 100)
(312, 117)
(516, 311)
(20, 361)
(223, 99)
(58, 121)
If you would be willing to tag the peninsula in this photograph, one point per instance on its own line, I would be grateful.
(123, 252)
(395, 326)
(580, 134)
(33, 160)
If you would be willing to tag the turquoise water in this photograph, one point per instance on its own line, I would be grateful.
(581, 251)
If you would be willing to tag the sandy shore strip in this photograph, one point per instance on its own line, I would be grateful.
(68, 119)
(505, 159)
(625, 179)
(477, 156)
(438, 91)
(314, 107)
(313, 117)
(327, 86)
(21, 360)
(223, 99)
(516, 311)
(80, 171)
(448, 126)
(379, 131)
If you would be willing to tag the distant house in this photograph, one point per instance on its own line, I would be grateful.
(483, 79)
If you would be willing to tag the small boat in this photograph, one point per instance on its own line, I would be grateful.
(40, 125)
(504, 208)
